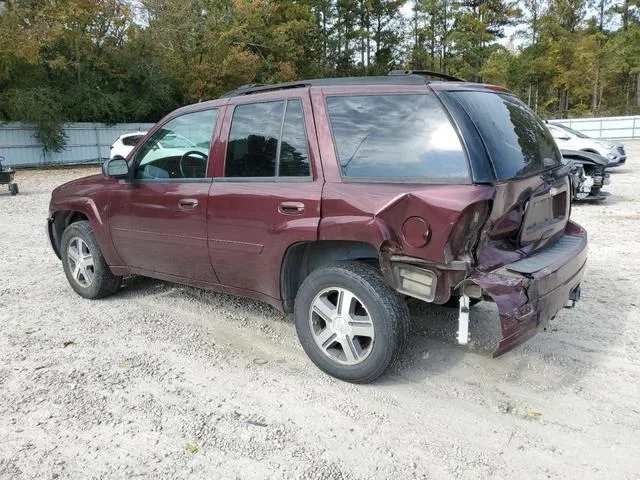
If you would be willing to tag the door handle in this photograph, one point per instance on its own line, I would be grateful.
(291, 208)
(186, 203)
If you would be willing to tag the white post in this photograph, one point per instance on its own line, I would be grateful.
(463, 320)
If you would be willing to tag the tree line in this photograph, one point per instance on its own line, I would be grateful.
(135, 60)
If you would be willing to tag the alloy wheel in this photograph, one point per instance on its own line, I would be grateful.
(80, 262)
(341, 326)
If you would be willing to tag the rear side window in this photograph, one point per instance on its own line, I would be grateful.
(268, 140)
(253, 141)
(396, 136)
(518, 142)
(294, 155)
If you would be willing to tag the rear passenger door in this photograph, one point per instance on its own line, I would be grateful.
(266, 190)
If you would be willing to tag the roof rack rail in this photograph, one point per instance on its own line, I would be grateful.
(426, 73)
(262, 87)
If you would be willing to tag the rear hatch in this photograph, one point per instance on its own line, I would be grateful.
(532, 203)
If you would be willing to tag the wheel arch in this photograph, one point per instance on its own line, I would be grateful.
(59, 222)
(300, 259)
(74, 209)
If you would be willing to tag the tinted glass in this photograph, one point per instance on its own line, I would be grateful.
(395, 136)
(253, 140)
(518, 142)
(294, 154)
(557, 132)
(178, 149)
(132, 140)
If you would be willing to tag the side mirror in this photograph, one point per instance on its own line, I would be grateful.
(116, 167)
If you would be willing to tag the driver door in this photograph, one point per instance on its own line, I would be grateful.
(158, 219)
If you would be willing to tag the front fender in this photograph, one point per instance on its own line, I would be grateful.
(96, 212)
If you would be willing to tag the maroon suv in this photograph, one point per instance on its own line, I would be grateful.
(336, 199)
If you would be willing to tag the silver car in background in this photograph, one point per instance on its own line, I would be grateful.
(569, 139)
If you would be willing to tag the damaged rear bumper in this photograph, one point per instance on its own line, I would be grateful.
(531, 291)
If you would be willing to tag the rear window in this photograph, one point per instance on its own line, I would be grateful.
(518, 142)
(396, 136)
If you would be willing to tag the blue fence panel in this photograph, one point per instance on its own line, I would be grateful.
(85, 143)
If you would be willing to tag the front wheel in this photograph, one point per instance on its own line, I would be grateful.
(83, 263)
(351, 323)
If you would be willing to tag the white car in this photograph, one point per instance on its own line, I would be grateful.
(569, 139)
(125, 143)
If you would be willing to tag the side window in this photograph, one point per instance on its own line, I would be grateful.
(178, 149)
(401, 136)
(268, 140)
(253, 140)
(294, 153)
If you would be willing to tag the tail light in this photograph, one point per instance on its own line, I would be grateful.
(415, 282)
(465, 236)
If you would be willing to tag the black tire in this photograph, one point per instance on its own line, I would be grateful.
(103, 283)
(387, 310)
(13, 188)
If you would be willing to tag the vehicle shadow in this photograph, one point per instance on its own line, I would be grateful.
(613, 197)
(433, 347)
(577, 342)
(432, 353)
(619, 170)
(432, 327)
(135, 286)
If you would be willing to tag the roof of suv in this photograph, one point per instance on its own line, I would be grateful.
(401, 78)
(396, 77)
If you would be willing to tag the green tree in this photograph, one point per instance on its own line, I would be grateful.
(477, 26)
(75, 63)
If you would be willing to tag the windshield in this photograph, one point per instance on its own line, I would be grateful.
(570, 130)
(517, 141)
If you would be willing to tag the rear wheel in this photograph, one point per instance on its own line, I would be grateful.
(13, 188)
(350, 322)
(83, 263)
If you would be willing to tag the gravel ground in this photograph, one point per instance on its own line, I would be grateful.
(166, 381)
